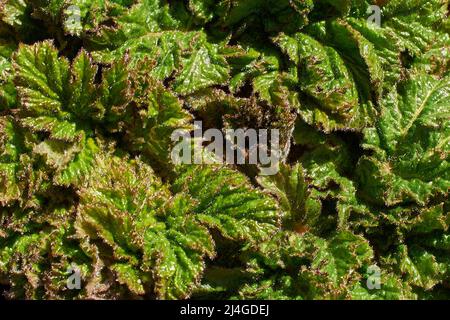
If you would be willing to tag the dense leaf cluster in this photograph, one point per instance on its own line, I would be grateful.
(91, 90)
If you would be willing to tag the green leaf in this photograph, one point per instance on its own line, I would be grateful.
(116, 90)
(410, 143)
(421, 267)
(307, 267)
(160, 113)
(16, 174)
(159, 238)
(196, 63)
(81, 166)
(392, 288)
(329, 166)
(148, 31)
(13, 12)
(271, 16)
(226, 202)
(42, 78)
(202, 9)
(129, 276)
(7, 89)
(60, 130)
(202, 69)
(291, 189)
(329, 88)
(83, 90)
(36, 261)
(416, 24)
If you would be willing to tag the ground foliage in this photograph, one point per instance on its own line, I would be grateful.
(86, 179)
